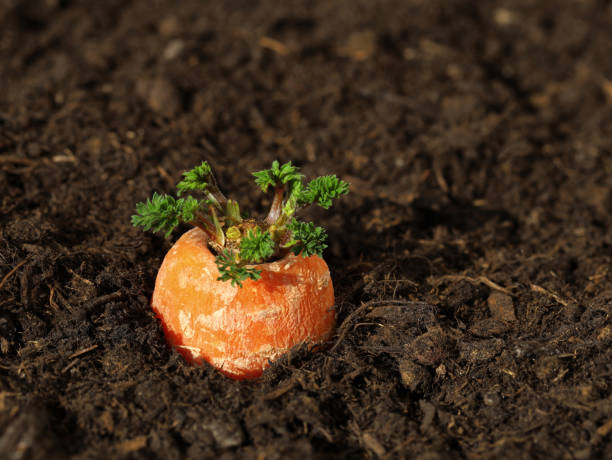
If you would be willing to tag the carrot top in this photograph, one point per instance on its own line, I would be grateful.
(240, 242)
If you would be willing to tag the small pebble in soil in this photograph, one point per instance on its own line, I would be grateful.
(160, 95)
(226, 433)
(501, 307)
(430, 348)
(604, 334)
(173, 49)
(359, 46)
(491, 398)
(413, 375)
(480, 351)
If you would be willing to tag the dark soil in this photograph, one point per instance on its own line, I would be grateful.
(472, 262)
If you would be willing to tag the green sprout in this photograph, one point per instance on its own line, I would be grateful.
(322, 191)
(162, 213)
(306, 239)
(277, 176)
(256, 245)
(195, 179)
(230, 270)
(239, 242)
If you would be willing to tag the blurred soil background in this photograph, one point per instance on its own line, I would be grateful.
(472, 261)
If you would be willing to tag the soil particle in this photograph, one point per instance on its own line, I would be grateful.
(359, 45)
(430, 348)
(225, 433)
(160, 95)
(547, 367)
(481, 350)
(491, 398)
(501, 307)
(414, 376)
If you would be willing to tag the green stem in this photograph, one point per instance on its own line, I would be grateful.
(232, 213)
(220, 236)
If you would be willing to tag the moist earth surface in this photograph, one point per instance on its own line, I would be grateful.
(471, 261)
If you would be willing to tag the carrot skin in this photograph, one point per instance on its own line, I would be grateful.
(240, 330)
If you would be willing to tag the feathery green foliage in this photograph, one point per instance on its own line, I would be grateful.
(188, 207)
(322, 191)
(240, 241)
(277, 175)
(162, 213)
(306, 239)
(256, 246)
(229, 270)
(195, 179)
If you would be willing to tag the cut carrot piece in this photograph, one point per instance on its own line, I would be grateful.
(240, 330)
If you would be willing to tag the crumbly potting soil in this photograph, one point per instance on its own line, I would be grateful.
(472, 261)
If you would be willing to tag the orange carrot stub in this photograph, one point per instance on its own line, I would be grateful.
(239, 330)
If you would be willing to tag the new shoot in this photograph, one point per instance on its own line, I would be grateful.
(239, 243)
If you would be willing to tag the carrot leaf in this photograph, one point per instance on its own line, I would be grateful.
(188, 208)
(230, 270)
(306, 239)
(322, 191)
(238, 240)
(256, 246)
(162, 213)
(195, 179)
(277, 175)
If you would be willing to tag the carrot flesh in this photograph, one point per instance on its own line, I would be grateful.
(239, 330)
